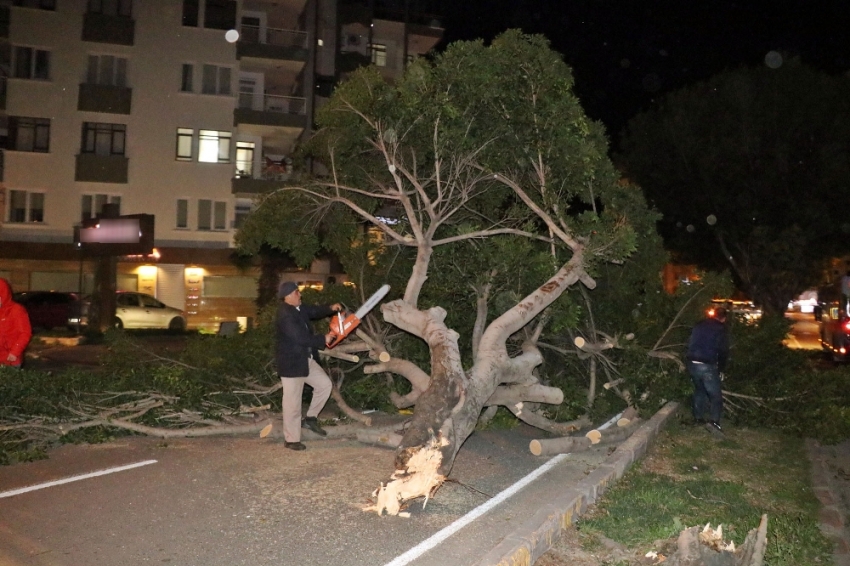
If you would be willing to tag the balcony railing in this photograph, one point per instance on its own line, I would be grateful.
(269, 170)
(273, 103)
(274, 36)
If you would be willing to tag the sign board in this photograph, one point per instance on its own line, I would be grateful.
(130, 234)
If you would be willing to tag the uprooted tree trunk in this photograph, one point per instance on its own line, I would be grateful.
(704, 546)
(447, 411)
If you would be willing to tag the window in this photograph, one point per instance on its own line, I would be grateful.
(103, 139)
(243, 209)
(220, 14)
(230, 286)
(184, 144)
(213, 147)
(31, 63)
(111, 7)
(29, 134)
(379, 55)
(244, 159)
(107, 70)
(186, 75)
(40, 4)
(182, 213)
(92, 205)
(216, 80)
(212, 214)
(25, 206)
(190, 12)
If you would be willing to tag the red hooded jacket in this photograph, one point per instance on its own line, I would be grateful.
(15, 330)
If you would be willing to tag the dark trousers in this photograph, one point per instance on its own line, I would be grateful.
(706, 379)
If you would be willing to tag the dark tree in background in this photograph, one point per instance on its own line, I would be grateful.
(751, 171)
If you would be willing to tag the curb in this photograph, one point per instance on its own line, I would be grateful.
(535, 537)
(831, 515)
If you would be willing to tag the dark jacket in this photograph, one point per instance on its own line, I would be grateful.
(15, 330)
(295, 341)
(709, 343)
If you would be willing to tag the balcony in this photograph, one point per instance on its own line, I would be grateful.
(102, 28)
(271, 110)
(272, 43)
(248, 180)
(101, 168)
(104, 98)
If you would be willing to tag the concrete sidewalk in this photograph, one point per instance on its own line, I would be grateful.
(533, 538)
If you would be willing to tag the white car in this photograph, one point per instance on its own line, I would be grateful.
(138, 310)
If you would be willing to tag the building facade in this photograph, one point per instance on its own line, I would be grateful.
(183, 109)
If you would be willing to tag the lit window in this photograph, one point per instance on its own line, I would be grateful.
(184, 144)
(213, 146)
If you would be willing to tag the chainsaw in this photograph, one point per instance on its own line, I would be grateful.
(343, 325)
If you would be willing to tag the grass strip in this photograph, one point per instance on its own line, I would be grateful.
(688, 478)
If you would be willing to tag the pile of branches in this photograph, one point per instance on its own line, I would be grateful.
(214, 386)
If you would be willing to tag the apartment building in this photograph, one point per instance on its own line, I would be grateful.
(182, 109)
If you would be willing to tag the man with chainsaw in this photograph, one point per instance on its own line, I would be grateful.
(296, 355)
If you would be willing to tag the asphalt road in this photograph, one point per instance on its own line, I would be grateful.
(805, 331)
(230, 501)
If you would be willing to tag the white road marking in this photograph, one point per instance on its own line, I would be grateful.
(445, 533)
(74, 478)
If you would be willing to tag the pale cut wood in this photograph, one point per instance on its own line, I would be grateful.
(594, 436)
(562, 445)
(627, 417)
(340, 355)
(387, 439)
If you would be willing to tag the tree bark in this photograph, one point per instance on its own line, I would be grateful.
(447, 411)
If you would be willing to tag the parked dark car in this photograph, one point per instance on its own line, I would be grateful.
(48, 309)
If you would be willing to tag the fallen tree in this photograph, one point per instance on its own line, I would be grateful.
(479, 174)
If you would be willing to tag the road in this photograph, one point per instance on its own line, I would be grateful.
(230, 501)
(805, 331)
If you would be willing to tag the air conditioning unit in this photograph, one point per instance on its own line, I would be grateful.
(352, 42)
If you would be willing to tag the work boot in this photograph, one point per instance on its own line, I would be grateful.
(294, 446)
(714, 428)
(312, 424)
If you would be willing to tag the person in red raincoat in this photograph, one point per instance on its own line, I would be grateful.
(15, 330)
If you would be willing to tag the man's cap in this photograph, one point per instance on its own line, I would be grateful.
(286, 288)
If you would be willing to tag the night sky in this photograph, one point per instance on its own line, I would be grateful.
(625, 54)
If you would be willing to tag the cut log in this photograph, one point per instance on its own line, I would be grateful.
(384, 438)
(627, 417)
(340, 355)
(564, 444)
(594, 436)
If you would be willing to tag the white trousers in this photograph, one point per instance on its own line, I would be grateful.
(292, 389)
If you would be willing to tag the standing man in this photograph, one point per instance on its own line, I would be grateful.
(15, 330)
(297, 354)
(708, 350)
